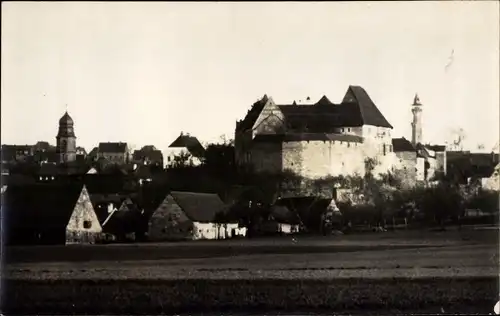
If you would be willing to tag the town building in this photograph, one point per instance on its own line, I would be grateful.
(189, 216)
(148, 155)
(185, 150)
(113, 152)
(49, 214)
(315, 140)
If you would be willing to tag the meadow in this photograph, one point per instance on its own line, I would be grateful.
(399, 271)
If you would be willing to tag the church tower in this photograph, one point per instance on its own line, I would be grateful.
(66, 140)
(416, 125)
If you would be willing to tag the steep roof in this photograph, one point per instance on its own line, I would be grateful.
(191, 143)
(289, 137)
(282, 214)
(41, 205)
(152, 155)
(252, 115)
(369, 113)
(402, 144)
(199, 207)
(113, 147)
(356, 109)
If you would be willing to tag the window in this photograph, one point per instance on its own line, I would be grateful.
(348, 145)
(87, 224)
(349, 129)
(342, 130)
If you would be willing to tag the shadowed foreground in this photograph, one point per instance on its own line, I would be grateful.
(472, 295)
(454, 271)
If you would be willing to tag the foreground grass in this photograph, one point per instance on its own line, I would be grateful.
(225, 248)
(472, 294)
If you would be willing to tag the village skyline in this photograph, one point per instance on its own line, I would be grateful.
(180, 71)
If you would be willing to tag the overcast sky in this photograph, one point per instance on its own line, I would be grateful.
(144, 72)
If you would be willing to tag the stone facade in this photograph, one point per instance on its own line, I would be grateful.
(170, 222)
(83, 225)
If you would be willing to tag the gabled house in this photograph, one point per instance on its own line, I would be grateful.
(189, 216)
(122, 223)
(185, 150)
(148, 155)
(114, 152)
(11, 153)
(281, 220)
(50, 214)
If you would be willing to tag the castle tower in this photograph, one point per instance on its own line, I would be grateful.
(66, 140)
(416, 125)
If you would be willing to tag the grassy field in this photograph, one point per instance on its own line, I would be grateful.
(408, 271)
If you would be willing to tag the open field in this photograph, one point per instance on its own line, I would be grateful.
(409, 271)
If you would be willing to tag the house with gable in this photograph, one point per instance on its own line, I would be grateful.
(122, 223)
(50, 214)
(189, 216)
(317, 139)
(148, 155)
(115, 152)
(281, 221)
(188, 147)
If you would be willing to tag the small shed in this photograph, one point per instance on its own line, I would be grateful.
(189, 216)
(282, 220)
(50, 214)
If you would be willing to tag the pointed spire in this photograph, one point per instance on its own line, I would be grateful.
(265, 98)
(416, 100)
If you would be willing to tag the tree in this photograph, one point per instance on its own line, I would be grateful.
(219, 160)
(182, 160)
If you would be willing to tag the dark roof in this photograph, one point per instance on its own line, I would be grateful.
(252, 115)
(148, 148)
(289, 137)
(152, 155)
(402, 144)
(357, 109)
(143, 172)
(199, 207)
(42, 145)
(191, 143)
(437, 148)
(282, 214)
(49, 169)
(100, 203)
(467, 164)
(122, 222)
(369, 113)
(94, 151)
(66, 119)
(41, 205)
(113, 147)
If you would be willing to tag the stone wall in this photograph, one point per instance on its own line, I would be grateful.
(169, 222)
(406, 168)
(83, 225)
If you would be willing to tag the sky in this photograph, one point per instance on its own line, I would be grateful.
(143, 72)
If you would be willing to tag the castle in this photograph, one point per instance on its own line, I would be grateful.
(326, 139)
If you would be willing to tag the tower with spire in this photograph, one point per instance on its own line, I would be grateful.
(416, 125)
(66, 140)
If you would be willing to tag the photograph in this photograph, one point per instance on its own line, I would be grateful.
(250, 158)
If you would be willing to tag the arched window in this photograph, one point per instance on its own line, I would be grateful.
(64, 143)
